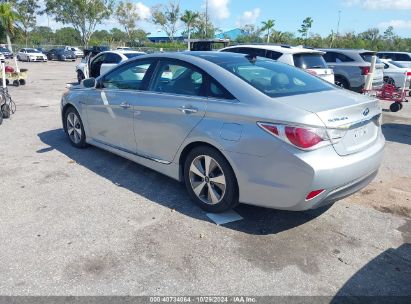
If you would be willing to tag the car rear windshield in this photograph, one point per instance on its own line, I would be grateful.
(398, 65)
(368, 56)
(132, 55)
(309, 61)
(32, 51)
(275, 79)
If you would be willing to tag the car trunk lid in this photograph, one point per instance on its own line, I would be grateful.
(354, 114)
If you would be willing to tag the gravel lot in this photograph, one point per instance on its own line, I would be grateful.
(86, 222)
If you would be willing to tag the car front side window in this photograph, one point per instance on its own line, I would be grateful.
(128, 77)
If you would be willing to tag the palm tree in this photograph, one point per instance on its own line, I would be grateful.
(268, 26)
(189, 18)
(7, 18)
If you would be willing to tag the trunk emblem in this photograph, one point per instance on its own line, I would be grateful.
(366, 112)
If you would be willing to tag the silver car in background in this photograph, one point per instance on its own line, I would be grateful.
(234, 128)
(351, 68)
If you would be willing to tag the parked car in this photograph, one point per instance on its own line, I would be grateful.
(233, 128)
(61, 55)
(41, 50)
(400, 57)
(29, 54)
(124, 48)
(6, 53)
(396, 74)
(2, 57)
(351, 68)
(96, 50)
(307, 59)
(95, 66)
(79, 53)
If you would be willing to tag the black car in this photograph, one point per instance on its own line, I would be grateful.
(41, 50)
(7, 54)
(96, 50)
(61, 55)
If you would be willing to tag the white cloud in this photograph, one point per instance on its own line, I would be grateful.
(380, 4)
(143, 10)
(218, 9)
(249, 17)
(396, 24)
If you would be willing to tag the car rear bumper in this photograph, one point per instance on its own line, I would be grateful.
(284, 179)
(38, 60)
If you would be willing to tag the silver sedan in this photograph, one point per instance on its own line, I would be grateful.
(233, 128)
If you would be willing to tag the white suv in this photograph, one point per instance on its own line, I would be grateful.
(307, 59)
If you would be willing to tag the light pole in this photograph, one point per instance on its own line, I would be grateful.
(338, 24)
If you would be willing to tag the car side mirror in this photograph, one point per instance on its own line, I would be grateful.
(89, 83)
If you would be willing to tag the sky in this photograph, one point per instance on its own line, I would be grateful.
(356, 15)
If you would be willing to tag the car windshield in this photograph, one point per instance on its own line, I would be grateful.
(132, 55)
(4, 50)
(32, 51)
(309, 61)
(368, 56)
(275, 79)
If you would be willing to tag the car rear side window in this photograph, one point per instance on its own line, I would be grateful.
(368, 56)
(274, 79)
(309, 61)
(337, 57)
(179, 78)
(216, 90)
(273, 55)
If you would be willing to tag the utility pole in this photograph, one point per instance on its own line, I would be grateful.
(338, 24)
(206, 19)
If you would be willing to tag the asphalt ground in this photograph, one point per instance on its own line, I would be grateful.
(87, 222)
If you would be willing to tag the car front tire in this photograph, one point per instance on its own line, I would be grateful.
(74, 128)
(210, 180)
(342, 83)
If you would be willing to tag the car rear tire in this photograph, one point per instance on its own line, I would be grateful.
(80, 76)
(210, 180)
(74, 128)
(5, 110)
(389, 80)
(342, 83)
(395, 107)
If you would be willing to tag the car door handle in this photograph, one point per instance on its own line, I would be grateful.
(125, 105)
(188, 109)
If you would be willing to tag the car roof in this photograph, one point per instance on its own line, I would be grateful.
(348, 51)
(285, 49)
(391, 52)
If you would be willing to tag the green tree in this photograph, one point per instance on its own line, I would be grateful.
(127, 16)
(268, 26)
(305, 27)
(250, 34)
(167, 17)
(26, 15)
(83, 15)
(67, 36)
(189, 18)
(203, 27)
(41, 35)
(7, 19)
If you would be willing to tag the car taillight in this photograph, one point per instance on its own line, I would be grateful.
(304, 138)
(408, 74)
(312, 72)
(314, 194)
(365, 70)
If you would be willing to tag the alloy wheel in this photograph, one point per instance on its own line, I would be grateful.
(74, 128)
(207, 179)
